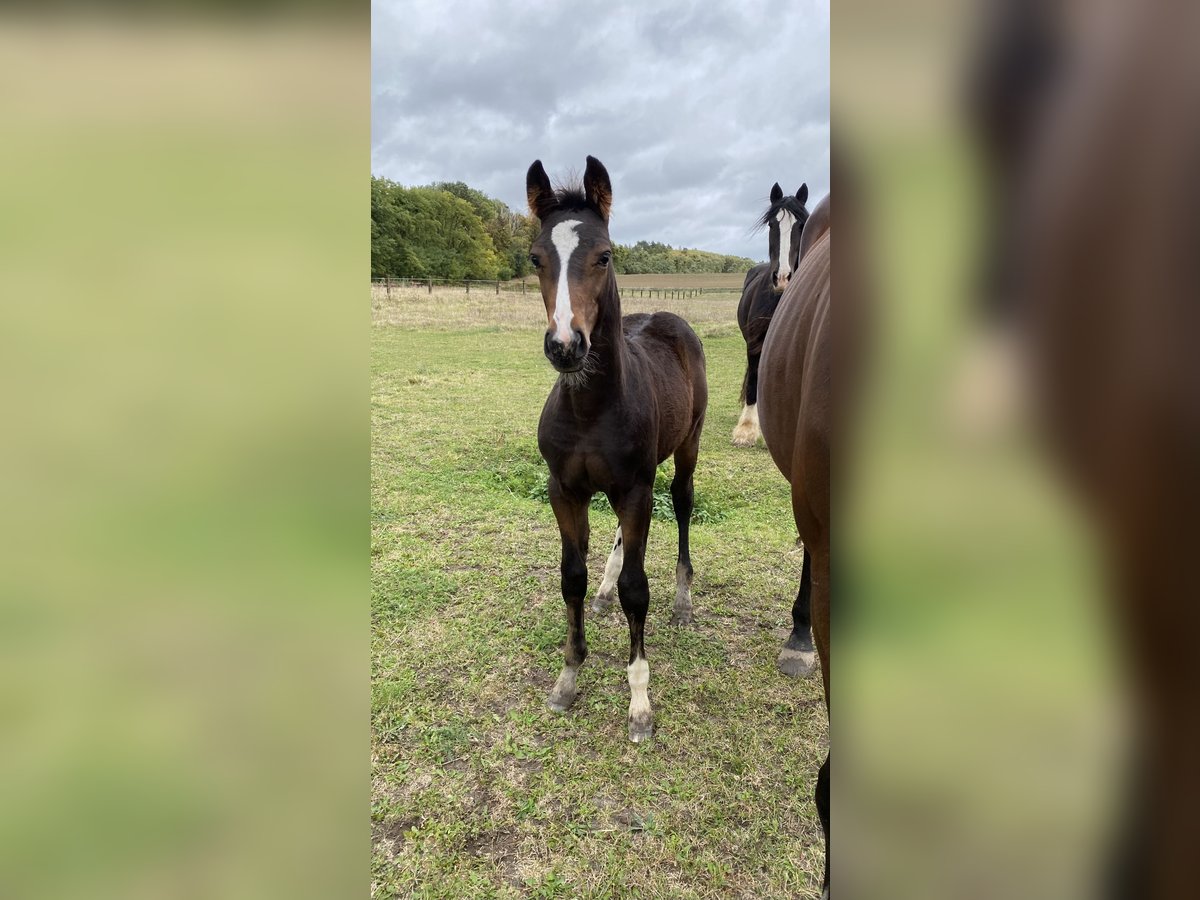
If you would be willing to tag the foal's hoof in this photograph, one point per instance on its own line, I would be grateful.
(682, 617)
(601, 604)
(562, 695)
(641, 730)
(796, 663)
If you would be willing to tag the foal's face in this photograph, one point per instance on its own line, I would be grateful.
(573, 258)
(786, 222)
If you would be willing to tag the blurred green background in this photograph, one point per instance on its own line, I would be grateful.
(183, 354)
(977, 721)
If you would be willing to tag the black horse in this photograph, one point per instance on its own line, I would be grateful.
(631, 392)
(784, 219)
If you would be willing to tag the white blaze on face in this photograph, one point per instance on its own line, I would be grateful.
(565, 241)
(786, 221)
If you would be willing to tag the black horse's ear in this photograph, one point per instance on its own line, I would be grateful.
(802, 194)
(597, 187)
(538, 191)
(776, 193)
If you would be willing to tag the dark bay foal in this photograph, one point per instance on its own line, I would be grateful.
(631, 392)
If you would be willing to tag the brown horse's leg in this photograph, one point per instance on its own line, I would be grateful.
(612, 570)
(634, 592)
(798, 656)
(572, 515)
(820, 621)
(682, 498)
(821, 797)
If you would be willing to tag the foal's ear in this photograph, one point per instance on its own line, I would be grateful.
(597, 187)
(538, 192)
(802, 194)
(776, 193)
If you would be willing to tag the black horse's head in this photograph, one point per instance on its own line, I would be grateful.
(573, 258)
(785, 219)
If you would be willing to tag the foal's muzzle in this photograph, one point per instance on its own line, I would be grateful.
(566, 357)
(779, 281)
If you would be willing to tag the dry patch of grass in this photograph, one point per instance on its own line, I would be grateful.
(453, 309)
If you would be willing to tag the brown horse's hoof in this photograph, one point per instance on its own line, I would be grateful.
(640, 731)
(796, 663)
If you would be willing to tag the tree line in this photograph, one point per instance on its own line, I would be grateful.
(451, 230)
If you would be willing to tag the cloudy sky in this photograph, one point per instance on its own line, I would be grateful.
(695, 107)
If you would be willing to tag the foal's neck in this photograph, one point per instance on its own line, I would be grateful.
(606, 365)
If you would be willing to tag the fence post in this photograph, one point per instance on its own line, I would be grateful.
(468, 284)
(497, 288)
(388, 283)
(522, 285)
(429, 282)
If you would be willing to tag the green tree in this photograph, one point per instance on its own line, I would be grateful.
(452, 230)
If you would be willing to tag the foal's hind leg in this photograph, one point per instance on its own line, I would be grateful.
(572, 516)
(798, 656)
(612, 570)
(634, 592)
(682, 497)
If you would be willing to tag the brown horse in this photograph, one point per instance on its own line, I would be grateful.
(795, 416)
(1108, 318)
(631, 392)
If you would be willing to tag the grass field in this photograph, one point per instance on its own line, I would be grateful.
(478, 790)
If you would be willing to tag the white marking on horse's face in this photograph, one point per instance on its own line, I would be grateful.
(786, 222)
(565, 241)
(639, 681)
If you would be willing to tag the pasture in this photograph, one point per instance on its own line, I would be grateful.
(478, 790)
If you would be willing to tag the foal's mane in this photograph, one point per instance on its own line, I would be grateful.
(571, 196)
(790, 203)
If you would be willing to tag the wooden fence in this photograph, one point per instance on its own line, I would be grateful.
(386, 285)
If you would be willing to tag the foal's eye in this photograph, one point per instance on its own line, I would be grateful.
(535, 260)
(604, 259)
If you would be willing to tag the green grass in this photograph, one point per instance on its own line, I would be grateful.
(478, 789)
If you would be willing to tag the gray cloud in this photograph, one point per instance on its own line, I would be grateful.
(696, 108)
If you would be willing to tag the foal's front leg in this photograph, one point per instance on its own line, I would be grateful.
(572, 515)
(634, 591)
